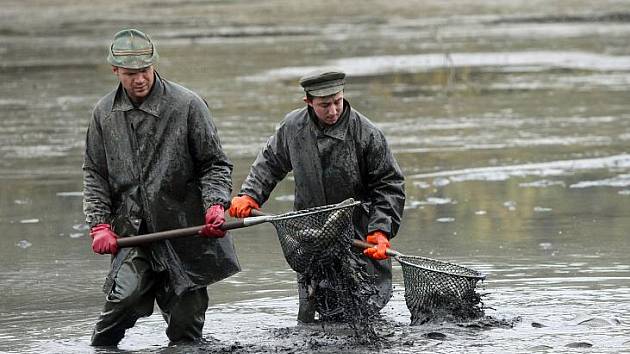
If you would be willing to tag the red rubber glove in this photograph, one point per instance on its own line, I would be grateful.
(242, 206)
(215, 217)
(103, 239)
(382, 244)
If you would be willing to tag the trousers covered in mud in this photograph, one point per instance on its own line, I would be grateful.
(136, 287)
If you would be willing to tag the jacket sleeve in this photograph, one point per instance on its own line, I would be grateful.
(96, 191)
(385, 184)
(212, 165)
(270, 167)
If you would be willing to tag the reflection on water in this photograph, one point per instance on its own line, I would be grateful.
(509, 119)
(504, 62)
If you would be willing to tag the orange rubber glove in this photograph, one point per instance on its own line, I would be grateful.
(382, 244)
(215, 217)
(242, 206)
(103, 239)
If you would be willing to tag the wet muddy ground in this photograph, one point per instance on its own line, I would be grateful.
(510, 120)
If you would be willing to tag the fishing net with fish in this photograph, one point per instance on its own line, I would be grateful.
(315, 235)
(317, 243)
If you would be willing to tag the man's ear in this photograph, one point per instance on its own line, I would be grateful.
(114, 70)
(307, 101)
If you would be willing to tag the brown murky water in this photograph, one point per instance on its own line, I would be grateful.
(510, 120)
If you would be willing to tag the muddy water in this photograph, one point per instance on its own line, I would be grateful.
(510, 120)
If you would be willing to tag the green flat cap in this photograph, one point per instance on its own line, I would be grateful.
(323, 82)
(132, 49)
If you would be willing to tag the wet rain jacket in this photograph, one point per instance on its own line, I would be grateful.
(158, 167)
(350, 159)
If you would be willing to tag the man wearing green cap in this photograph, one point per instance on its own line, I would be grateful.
(335, 153)
(154, 162)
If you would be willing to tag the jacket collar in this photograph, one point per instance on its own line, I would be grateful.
(150, 105)
(337, 130)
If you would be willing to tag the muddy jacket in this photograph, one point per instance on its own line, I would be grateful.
(158, 167)
(348, 159)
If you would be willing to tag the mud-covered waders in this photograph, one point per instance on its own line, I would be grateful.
(135, 289)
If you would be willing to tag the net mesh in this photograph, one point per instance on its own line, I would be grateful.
(316, 234)
(439, 289)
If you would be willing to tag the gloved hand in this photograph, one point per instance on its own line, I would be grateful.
(382, 244)
(242, 206)
(215, 217)
(103, 239)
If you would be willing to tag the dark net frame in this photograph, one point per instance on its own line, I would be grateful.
(315, 234)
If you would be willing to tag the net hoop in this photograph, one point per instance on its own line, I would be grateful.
(314, 210)
(434, 265)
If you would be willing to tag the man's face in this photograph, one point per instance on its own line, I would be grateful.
(137, 82)
(327, 109)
